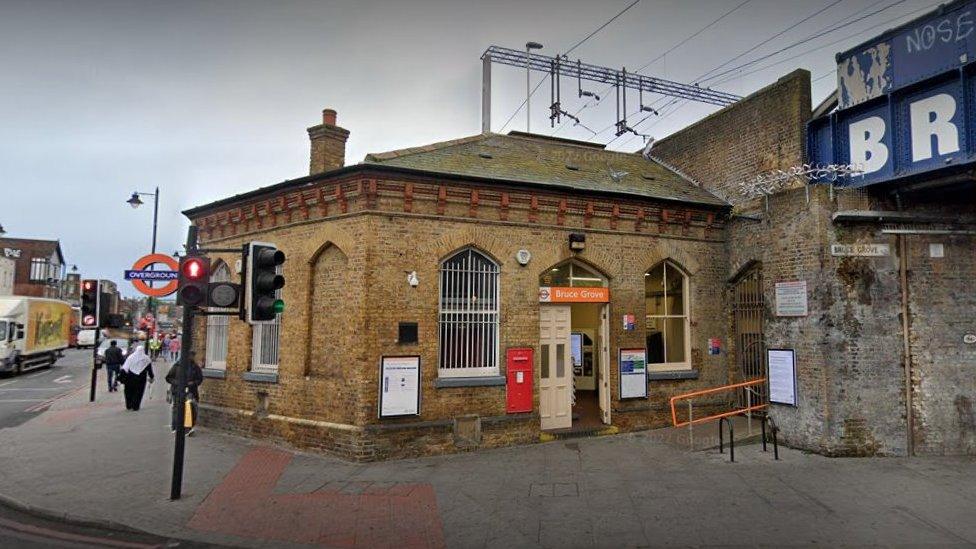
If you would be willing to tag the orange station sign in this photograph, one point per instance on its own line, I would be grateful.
(559, 294)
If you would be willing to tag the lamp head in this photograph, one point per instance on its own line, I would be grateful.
(134, 201)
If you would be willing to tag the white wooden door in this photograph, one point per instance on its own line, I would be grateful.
(604, 388)
(555, 367)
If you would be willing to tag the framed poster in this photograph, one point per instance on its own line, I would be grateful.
(782, 376)
(791, 298)
(399, 386)
(632, 366)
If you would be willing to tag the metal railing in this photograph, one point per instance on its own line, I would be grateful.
(721, 448)
(688, 396)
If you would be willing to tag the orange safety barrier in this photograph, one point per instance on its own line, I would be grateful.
(674, 413)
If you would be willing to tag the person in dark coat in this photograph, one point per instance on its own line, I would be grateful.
(134, 374)
(193, 381)
(114, 358)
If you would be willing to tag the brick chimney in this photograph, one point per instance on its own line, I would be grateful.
(328, 144)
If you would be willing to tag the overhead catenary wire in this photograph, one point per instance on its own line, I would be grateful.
(771, 38)
(684, 41)
(820, 32)
(827, 45)
(803, 41)
(578, 44)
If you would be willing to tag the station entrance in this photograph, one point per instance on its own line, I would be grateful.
(574, 384)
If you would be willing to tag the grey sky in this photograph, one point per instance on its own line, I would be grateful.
(207, 99)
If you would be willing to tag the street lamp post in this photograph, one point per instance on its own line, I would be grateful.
(135, 202)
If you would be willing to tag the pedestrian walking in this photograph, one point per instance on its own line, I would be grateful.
(135, 371)
(175, 345)
(114, 358)
(154, 346)
(165, 347)
(193, 380)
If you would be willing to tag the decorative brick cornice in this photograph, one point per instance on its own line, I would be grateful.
(424, 196)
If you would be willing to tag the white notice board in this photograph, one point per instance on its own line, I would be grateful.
(399, 386)
(632, 365)
(782, 376)
(791, 298)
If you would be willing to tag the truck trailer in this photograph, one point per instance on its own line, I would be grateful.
(33, 332)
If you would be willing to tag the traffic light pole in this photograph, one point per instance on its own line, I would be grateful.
(184, 366)
(94, 376)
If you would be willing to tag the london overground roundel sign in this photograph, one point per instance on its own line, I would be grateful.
(140, 274)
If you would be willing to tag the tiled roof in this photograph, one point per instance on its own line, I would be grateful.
(546, 161)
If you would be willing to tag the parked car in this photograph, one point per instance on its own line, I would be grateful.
(105, 343)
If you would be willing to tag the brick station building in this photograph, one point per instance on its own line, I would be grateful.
(440, 252)
(469, 248)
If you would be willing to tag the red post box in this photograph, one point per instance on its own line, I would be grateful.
(518, 374)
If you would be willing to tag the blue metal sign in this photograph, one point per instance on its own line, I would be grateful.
(904, 101)
(929, 45)
(151, 275)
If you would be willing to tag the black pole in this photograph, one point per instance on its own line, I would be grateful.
(94, 376)
(152, 301)
(180, 402)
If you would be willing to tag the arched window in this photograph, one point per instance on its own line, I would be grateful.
(666, 327)
(468, 316)
(217, 327)
(572, 274)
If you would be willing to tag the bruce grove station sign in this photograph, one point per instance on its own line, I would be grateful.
(901, 100)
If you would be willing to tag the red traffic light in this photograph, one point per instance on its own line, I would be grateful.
(194, 269)
(88, 285)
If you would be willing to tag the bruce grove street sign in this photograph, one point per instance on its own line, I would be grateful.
(860, 250)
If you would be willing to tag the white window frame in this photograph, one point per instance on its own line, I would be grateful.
(269, 334)
(218, 327)
(468, 319)
(686, 302)
(39, 268)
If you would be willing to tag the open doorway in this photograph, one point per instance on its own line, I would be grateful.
(574, 388)
(585, 346)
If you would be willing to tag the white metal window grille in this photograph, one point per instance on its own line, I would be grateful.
(667, 330)
(39, 269)
(217, 328)
(266, 342)
(468, 320)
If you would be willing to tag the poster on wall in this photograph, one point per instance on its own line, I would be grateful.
(782, 376)
(399, 386)
(791, 298)
(632, 364)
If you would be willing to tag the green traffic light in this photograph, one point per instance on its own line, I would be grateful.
(279, 306)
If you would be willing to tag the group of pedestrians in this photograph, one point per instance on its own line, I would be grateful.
(169, 347)
(135, 371)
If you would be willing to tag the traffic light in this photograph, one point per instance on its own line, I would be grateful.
(194, 276)
(90, 306)
(263, 282)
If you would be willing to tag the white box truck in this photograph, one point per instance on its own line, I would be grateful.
(33, 332)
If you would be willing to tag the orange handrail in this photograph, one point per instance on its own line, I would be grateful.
(674, 413)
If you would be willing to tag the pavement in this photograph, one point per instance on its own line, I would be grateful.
(99, 464)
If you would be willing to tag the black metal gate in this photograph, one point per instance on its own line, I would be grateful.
(748, 312)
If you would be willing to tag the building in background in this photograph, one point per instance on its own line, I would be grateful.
(7, 268)
(39, 266)
(72, 289)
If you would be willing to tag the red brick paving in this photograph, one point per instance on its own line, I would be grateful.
(338, 515)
